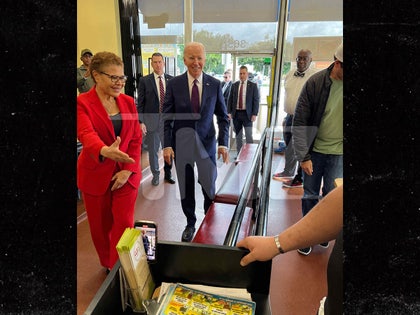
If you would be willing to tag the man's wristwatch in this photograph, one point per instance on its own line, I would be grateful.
(276, 240)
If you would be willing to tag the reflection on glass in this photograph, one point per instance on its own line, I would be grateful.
(239, 32)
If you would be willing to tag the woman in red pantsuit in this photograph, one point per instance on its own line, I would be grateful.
(108, 168)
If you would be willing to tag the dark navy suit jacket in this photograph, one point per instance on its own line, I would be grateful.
(148, 101)
(252, 99)
(227, 91)
(191, 131)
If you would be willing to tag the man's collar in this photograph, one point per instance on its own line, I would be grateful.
(191, 78)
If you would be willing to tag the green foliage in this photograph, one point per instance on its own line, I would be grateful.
(258, 63)
(286, 67)
(180, 58)
(214, 64)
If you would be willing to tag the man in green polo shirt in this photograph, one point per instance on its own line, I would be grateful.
(318, 134)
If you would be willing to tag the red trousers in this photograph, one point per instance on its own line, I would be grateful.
(109, 215)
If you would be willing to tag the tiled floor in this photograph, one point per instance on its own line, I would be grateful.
(297, 282)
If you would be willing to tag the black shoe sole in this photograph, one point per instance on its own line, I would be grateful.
(155, 180)
(187, 239)
(169, 181)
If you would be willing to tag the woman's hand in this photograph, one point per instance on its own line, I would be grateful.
(113, 152)
(120, 179)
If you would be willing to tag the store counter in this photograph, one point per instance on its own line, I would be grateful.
(192, 263)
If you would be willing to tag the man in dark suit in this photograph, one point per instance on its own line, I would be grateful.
(150, 101)
(191, 101)
(226, 85)
(243, 106)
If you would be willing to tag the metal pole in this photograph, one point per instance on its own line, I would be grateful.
(188, 21)
(235, 223)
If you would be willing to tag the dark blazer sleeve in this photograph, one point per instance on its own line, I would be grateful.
(141, 98)
(252, 99)
(304, 132)
(222, 119)
(233, 98)
(227, 91)
(148, 102)
(176, 88)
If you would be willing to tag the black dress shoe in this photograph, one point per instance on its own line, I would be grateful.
(155, 180)
(169, 179)
(188, 234)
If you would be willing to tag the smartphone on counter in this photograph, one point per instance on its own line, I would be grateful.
(149, 234)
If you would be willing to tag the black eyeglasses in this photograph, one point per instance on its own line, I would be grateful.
(115, 78)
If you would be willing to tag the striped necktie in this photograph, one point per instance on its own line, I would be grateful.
(241, 102)
(162, 94)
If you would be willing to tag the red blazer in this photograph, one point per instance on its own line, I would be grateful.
(95, 130)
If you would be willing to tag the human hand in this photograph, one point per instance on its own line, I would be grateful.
(230, 116)
(253, 118)
(113, 152)
(261, 248)
(307, 167)
(224, 153)
(120, 179)
(143, 128)
(168, 155)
